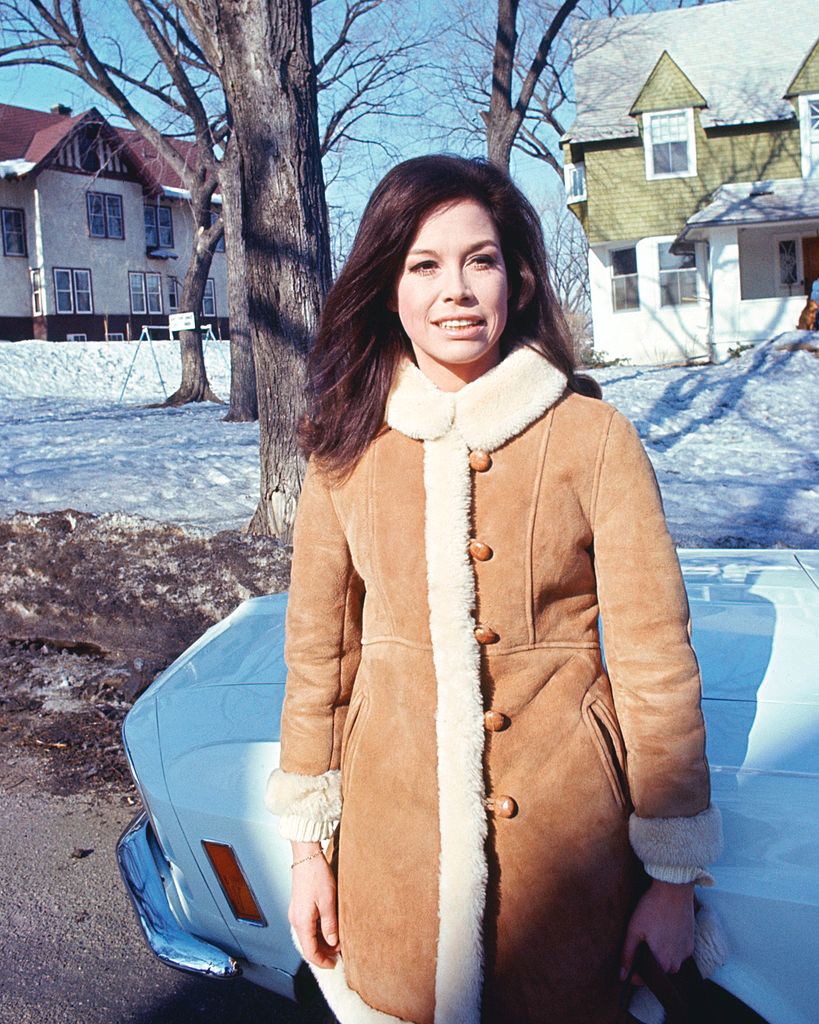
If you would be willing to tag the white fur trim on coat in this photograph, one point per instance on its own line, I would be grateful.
(487, 412)
(309, 805)
(678, 849)
(459, 730)
(345, 1002)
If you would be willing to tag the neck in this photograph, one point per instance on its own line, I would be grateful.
(454, 376)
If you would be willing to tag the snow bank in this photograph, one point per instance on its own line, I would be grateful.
(735, 446)
(97, 369)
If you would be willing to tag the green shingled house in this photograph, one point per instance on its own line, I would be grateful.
(693, 165)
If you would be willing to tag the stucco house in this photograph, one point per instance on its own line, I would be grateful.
(96, 231)
(693, 165)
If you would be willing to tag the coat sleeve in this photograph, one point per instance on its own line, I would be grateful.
(652, 666)
(322, 651)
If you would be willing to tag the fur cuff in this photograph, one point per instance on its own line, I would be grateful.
(677, 849)
(309, 805)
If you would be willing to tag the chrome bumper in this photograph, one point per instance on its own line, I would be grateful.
(141, 865)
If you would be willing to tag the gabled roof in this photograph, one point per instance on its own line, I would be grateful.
(29, 137)
(741, 55)
(667, 87)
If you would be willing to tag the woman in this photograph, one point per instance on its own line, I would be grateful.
(514, 819)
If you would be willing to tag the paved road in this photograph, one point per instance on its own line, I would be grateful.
(70, 949)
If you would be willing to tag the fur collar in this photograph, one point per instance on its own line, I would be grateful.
(487, 412)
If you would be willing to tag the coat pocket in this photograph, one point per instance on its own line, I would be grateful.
(352, 731)
(605, 735)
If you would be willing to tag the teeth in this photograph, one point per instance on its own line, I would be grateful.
(457, 323)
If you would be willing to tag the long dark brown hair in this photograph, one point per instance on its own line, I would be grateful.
(360, 342)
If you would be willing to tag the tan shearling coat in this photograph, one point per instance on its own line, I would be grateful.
(497, 788)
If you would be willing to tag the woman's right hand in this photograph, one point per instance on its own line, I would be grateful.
(313, 910)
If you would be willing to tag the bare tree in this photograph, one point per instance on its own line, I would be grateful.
(262, 52)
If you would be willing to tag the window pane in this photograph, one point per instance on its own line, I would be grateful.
(625, 293)
(36, 294)
(678, 156)
(82, 291)
(165, 226)
(62, 288)
(113, 206)
(209, 299)
(688, 285)
(788, 267)
(151, 239)
(154, 289)
(96, 215)
(173, 294)
(669, 292)
(671, 261)
(669, 127)
(137, 285)
(14, 234)
(624, 261)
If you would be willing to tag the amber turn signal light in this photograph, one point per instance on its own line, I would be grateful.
(234, 884)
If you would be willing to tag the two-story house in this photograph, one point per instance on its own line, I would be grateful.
(96, 231)
(693, 165)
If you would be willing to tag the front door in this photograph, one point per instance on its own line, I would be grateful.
(810, 261)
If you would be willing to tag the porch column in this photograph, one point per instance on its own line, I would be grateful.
(725, 290)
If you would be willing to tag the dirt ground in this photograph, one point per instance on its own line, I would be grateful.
(92, 608)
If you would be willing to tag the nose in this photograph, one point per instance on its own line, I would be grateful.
(455, 286)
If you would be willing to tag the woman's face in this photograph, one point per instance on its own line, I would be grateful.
(452, 294)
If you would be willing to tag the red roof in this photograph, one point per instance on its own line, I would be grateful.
(33, 134)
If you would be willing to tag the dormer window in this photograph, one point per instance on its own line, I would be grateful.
(809, 130)
(574, 176)
(670, 147)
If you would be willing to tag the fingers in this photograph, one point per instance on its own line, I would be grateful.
(329, 920)
(634, 936)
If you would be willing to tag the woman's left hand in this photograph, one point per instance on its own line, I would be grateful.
(664, 919)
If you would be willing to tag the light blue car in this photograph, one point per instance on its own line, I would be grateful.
(209, 874)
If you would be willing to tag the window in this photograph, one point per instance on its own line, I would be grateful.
(72, 289)
(153, 289)
(37, 292)
(220, 245)
(809, 130)
(574, 176)
(136, 284)
(173, 295)
(158, 227)
(105, 215)
(209, 299)
(788, 263)
(115, 336)
(76, 337)
(669, 144)
(625, 293)
(146, 292)
(678, 276)
(14, 232)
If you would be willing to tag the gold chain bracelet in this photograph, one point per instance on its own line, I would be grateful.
(318, 853)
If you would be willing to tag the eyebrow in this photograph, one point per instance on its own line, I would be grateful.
(478, 245)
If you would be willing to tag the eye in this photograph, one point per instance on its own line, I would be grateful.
(484, 260)
(424, 267)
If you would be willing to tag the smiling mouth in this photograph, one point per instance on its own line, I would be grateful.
(456, 323)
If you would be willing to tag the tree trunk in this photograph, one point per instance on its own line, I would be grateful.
(265, 63)
(244, 406)
(195, 386)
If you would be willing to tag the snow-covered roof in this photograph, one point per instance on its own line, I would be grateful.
(15, 168)
(741, 55)
(758, 202)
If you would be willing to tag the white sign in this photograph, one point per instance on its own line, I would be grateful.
(182, 321)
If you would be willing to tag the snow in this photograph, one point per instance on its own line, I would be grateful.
(735, 446)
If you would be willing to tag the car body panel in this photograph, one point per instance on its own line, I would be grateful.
(203, 769)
